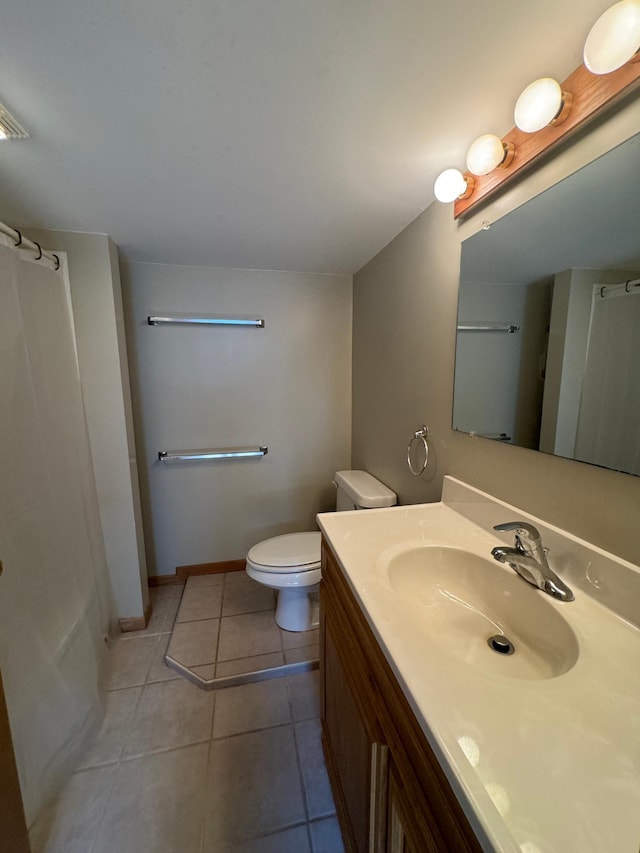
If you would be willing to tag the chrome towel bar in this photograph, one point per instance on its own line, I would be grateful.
(204, 320)
(214, 453)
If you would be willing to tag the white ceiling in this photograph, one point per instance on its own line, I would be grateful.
(273, 134)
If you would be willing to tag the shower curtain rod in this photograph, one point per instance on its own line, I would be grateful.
(616, 288)
(22, 242)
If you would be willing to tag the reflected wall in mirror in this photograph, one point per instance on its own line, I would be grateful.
(548, 341)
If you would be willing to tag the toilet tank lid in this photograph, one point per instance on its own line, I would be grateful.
(292, 549)
(365, 490)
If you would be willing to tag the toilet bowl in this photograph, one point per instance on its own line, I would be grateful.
(291, 563)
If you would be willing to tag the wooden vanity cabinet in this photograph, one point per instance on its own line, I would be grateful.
(391, 794)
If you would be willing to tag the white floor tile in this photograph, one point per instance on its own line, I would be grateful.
(326, 836)
(170, 714)
(302, 653)
(247, 597)
(304, 695)
(130, 660)
(314, 772)
(248, 635)
(157, 804)
(253, 664)
(200, 602)
(119, 714)
(251, 707)
(159, 671)
(253, 787)
(294, 840)
(71, 823)
(194, 643)
(205, 580)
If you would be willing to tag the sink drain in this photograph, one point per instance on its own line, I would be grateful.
(501, 645)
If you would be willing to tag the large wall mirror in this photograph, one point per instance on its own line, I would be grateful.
(548, 341)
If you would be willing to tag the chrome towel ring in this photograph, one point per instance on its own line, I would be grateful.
(419, 435)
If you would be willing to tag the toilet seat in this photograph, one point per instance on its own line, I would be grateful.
(293, 552)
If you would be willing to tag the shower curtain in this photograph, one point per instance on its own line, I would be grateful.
(55, 599)
(609, 415)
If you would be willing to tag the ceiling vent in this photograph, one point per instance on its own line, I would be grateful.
(9, 127)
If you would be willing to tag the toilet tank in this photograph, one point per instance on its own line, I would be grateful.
(359, 490)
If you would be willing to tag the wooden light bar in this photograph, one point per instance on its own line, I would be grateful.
(592, 94)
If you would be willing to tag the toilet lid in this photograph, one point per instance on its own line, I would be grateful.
(293, 549)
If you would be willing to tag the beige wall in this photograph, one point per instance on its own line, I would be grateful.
(287, 386)
(98, 318)
(405, 305)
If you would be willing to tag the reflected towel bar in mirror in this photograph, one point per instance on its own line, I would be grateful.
(509, 328)
(215, 453)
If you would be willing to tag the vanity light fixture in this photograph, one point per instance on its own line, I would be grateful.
(452, 184)
(542, 103)
(614, 39)
(548, 113)
(593, 94)
(489, 152)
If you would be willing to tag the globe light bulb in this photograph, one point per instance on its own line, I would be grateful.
(450, 185)
(614, 38)
(486, 153)
(540, 103)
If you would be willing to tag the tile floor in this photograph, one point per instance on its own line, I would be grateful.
(225, 630)
(177, 769)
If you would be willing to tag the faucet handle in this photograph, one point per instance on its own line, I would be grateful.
(521, 529)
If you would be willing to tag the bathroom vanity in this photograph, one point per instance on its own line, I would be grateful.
(390, 790)
(437, 742)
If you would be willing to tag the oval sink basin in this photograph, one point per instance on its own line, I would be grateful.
(461, 601)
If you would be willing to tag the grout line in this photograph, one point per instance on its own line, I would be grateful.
(256, 731)
(284, 828)
(248, 612)
(217, 652)
(246, 657)
(162, 750)
(253, 732)
(156, 646)
(207, 773)
(128, 728)
(100, 823)
(300, 773)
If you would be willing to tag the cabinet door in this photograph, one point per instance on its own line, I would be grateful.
(409, 829)
(350, 747)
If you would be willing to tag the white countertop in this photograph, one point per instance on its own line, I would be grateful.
(540, 765)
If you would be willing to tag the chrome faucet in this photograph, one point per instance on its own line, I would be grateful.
(529, 559)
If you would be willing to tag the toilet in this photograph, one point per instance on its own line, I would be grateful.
(291, 563)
